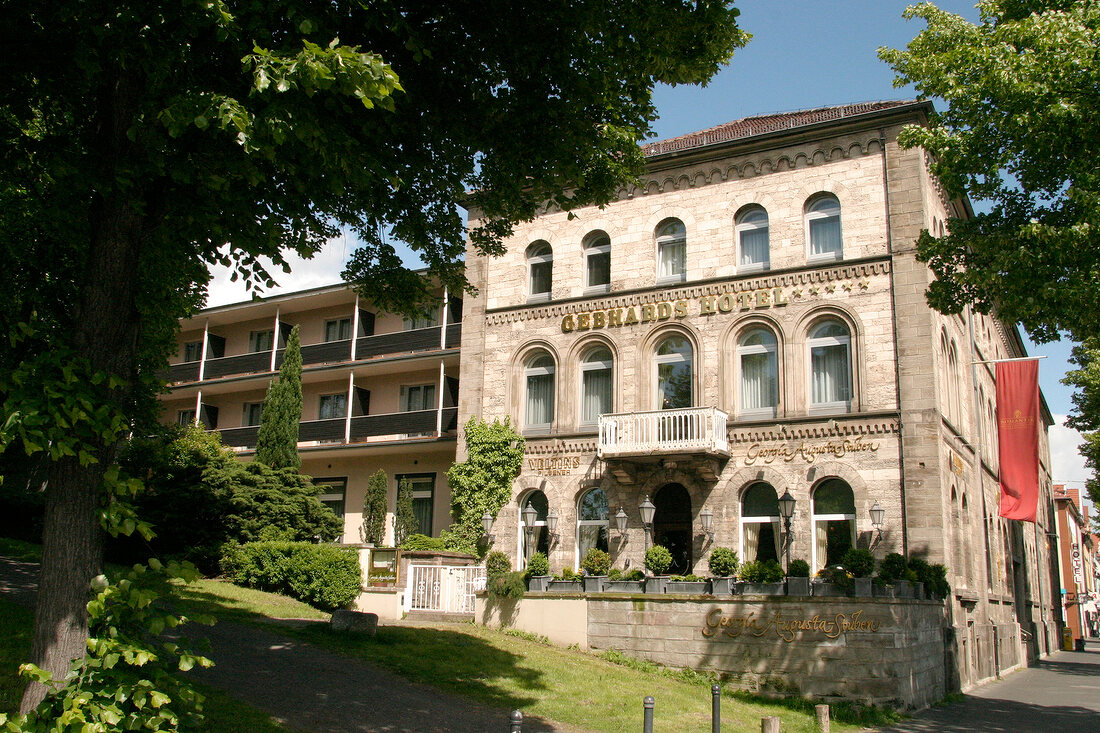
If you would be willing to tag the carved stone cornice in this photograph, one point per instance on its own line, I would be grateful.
(839, 428)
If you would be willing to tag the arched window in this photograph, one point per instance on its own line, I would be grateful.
(956, 383)
(834, 522)
(759, 364)
(671, 251)
(592, 514)
(753, 251)
(760, 534)
(948, 385)
(540, 538)
(674, 373)
(823, 228)
(540, 271)
(539, 391)
(596, 381)
(597, 262)
(830, 346)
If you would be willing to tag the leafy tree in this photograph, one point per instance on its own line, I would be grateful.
(374, 508)
(1022, 130)
(406, 523)
(483, 482)
(1086, 411)
(176, 135)
(277, 438)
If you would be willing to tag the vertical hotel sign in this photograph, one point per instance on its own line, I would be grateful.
(1018, 437)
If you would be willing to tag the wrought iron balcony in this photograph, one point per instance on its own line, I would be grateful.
(690, 431)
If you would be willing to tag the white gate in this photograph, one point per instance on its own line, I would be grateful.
(443, 588)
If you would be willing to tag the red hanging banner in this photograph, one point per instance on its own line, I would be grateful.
(1018, 437)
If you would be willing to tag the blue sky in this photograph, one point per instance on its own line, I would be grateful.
(803, 54)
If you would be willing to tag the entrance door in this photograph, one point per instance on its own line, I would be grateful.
(672, 526)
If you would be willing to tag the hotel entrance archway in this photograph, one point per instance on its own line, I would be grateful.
(672, 526)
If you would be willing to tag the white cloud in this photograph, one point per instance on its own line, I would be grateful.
(323, 269)
(1067, 465)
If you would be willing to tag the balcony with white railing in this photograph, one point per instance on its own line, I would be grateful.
(689, 431)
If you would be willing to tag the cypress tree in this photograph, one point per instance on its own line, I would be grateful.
(277, 441)
(374, 508)
(407, 522)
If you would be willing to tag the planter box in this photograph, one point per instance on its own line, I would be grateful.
(538, 582)
(693, 587)
(900, 589)
(798, 586)
(918, 592)
(828, 590)
(624, 586)
(865, 588)
(764, 589)
(724, 586)
(593, 583)
(656, 584)
(564, 586)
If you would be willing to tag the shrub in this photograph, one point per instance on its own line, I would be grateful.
(657, 560)
(634, 574)
(614, 574)
(934, 577)
(798, 568)
(722, 562)
(424, 542)
(538, 564)
(892, 568)
(497, 563)
(374, 508)
(859, 562)
(507, 585)
(567, 574)
(767, 571)
(689, 578)
(838, 575)
(325, 576)
(596, 562)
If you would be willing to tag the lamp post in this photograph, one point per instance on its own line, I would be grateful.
(620, 521)
(487, 526)
(647, 509)
(878, 515)
(706, 518)
(530, 515)
(786, 510)
(552, 524)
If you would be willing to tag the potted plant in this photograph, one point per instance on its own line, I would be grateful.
(798, 578)
(833, 580)
(657, 561)
(763, 578)
(723, 570)
(692, 584)
(632, 581)
(860, 563)
(538, 572)
(567, 582)
(893, 576)
(595, 566)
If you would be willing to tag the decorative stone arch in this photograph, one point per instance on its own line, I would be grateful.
(516, 382)
(797, 355)
(729, 368)
(645, 367)
(571, 375)
(526, 488)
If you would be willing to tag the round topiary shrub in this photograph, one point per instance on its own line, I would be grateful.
(497, 563)
(767, 571)
(657, 560)
(892, 568)
(859, 562)
(506, 585)
(538, 564)
(722, 562)
(798, 568)
(596, 562)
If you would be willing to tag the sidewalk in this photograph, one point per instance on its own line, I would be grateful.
(1059, 695)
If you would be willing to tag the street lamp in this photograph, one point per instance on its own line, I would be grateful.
(620, 521)
(552, 523)
(530, 515)
(786, 510)
(487, 526)
(706, 518)
(878, 515)
(647, 509)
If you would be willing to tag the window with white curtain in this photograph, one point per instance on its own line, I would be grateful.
(592, 523)
(540, 271)
(761, 538)
(597, 263)
(539, 404)
(757, 355)
(834, 522)
(671, 251)
(830, 346)
(596, 379)
(674, 373)
(823, 228)
(753, 249)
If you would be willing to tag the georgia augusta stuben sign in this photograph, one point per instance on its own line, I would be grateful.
(828, 625)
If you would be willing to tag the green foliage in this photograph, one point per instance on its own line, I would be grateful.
(406, 523)
(325, 576)
(538, 564)
(423, 542)
(483, 482)
(689, 578)
(722, 562)
(1021, 129)
(596, 562)
(507, 585)
(128, 679)
(798, 568)
(657, 560)
(859, 562)
(839, 576)
(374, 508)
(767, 571)
(1086, 412)
(634, 574)
(277, 439)
(497, 563)
(567, 574)
(934, 576)
(529, 636)
(892, 568)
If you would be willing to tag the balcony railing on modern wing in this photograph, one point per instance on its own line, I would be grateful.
(664, 432)
(397, 425)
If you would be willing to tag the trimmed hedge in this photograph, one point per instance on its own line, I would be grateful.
(325, 576)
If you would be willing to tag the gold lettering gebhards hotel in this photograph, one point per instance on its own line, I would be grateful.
(785, 628)
(708, 305)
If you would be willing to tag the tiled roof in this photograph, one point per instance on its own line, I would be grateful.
(750, 126)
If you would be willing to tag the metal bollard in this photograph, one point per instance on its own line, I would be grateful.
(647, 719)
(517, 722)
(716, 709)
(769, 724)
(822, 718)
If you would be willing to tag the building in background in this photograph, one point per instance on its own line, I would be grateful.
(747, 323)
(379, 391)
(1077, 546)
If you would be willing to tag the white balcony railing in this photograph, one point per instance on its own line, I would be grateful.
(664, 432)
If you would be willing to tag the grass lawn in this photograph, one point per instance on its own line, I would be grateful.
(223, 600)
